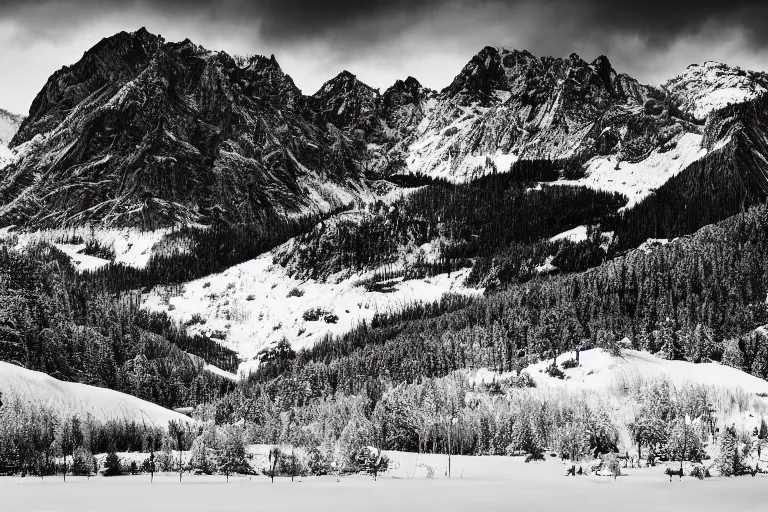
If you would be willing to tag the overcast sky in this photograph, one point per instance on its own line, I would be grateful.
(381, 41)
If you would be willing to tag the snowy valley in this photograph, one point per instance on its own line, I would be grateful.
(545, 269)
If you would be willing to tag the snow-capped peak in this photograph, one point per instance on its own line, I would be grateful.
(710, 86)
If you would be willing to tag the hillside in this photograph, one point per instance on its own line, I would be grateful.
(599, 371)
(71, 398)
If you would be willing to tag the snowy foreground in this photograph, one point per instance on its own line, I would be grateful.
(488, 483)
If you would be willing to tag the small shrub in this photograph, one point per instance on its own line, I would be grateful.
(112, 465)
(554, 371)
(700, 472)
(570, 363)
(314, 314)
(295, 292)
(207, 284)
(613, 464)
(535, 457)
(331, 318)
(250, 297)
(196, 319)
(430, 470)
(95, 249)
(164, 461)
(82, 462)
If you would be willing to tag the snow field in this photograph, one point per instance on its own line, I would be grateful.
(255, 304)
(68, 398)
(132, 247)
(606, 381)
(489, 483)
(639, 180)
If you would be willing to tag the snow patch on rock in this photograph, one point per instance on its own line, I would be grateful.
(638, 180)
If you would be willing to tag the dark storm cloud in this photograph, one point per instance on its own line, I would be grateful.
(656, 21)
(383, 40)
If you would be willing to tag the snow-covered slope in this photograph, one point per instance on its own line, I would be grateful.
(68, 398)
(257, 303)
(599, 370)
(9, 125)
(739, 398)
(704, 88)
(637, 180)
(132, 247)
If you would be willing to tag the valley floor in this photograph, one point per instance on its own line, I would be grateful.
(488, 483)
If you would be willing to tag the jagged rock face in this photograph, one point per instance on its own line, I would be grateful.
(102, 70)
(348, 104)
(143, 132)
(703, 89)
(507, 104)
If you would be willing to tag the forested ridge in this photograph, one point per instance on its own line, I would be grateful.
(50, 323)
(698, 298)
(727, 181)
(495, 224)
(194, 251)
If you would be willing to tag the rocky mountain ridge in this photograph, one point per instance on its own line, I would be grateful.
(148, 133)
(143, 132)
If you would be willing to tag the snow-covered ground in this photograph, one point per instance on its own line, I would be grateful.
(739, 397)
(599, 370)
(488, 484)
(638, 180)
(255, 304)
(577, 234)
(132, 247)
(68, 398)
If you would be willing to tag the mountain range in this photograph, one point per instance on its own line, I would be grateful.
(171, 215)
(144, 132)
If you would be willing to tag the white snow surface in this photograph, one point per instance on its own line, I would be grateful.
(485, 484)
(132, 247)
(711, 86)
(221, 373)
(599, 371)
(577, 234)
(9, 125)
(638, 180)
(68, 398)
(248, 305)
